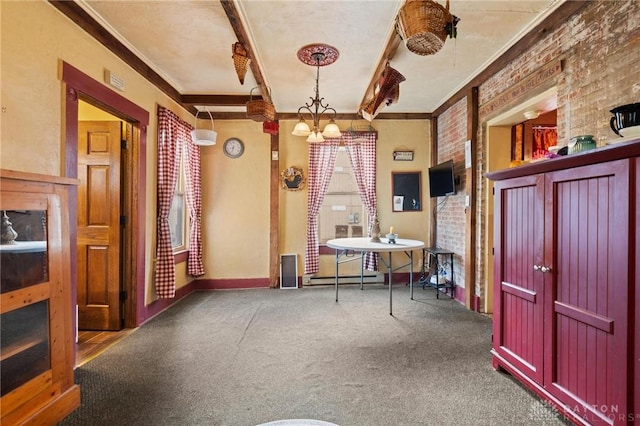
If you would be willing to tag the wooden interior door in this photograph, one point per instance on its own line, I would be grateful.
(518, 289)
(99, 286)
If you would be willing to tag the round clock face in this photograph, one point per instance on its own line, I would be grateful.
(233, 147)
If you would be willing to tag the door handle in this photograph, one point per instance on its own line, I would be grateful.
(545, 269)
(536, 268)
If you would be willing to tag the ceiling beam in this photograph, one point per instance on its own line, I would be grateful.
(389, 52)
(218, 100)
(243, 37)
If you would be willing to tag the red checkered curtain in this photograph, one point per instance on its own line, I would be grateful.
(361, 148)
(322, 159)
(193, 187)
(172, 132)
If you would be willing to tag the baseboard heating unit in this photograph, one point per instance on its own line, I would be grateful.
(369, 277)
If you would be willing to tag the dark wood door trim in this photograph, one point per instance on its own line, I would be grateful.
(81, 86)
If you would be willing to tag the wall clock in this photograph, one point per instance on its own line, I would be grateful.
(233, 147)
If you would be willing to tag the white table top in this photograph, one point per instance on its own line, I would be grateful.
(365, 244)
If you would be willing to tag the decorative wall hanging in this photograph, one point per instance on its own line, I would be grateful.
(260, 109)
(403, 155)
(424, 26)
(240, 60)
(386, 92)
(292, 178)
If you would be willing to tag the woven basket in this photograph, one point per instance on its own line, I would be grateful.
(260, 109)
(240, 60)
(422, 24)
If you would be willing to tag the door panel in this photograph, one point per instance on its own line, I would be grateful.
(99, 286)
(518, 290)
(588, 310)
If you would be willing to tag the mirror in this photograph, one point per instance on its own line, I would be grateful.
(406, 191)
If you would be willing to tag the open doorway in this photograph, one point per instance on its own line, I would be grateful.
(506, 148)
(82, 88)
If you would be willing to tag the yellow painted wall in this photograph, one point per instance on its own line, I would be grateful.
(36, 38)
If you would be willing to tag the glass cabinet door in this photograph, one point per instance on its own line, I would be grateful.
(24, 322)
(23, 249)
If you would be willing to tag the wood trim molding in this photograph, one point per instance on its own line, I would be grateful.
(471, 190)
(81, 18)
(81, 86)
(243, 37)
(389, 52)
(274, 214)
(218, 100)
(560, 15)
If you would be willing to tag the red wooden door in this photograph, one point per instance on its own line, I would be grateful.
(518, 289)
(587, 247)
(99, 306)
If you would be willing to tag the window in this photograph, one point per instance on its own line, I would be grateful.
(177, 216)
(342, 213)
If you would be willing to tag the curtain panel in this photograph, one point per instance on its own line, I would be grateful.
(173, 135)
(322, 159)
(193, 181)
(361, 148)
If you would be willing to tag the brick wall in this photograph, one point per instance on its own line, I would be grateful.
(450, 214)
(600, 48)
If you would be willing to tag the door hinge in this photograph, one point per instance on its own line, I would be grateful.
(493, 251)
(123, 295)
(123, 220)
(493, 191)
(123, 144)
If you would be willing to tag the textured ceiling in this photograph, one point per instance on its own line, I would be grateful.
(189, 44)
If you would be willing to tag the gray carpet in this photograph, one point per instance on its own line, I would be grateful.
(246, 357)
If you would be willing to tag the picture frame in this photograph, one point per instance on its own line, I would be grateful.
(406, 191)
(402, 155)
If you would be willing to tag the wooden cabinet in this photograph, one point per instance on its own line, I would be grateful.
(36, 344)
(565, 257)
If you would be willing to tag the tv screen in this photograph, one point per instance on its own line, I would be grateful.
(441, 180)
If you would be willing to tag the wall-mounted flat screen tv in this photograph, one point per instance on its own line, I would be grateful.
(442, 180)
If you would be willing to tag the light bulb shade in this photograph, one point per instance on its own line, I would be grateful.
(331, 130)
(204, 137)
(315, 137)
(301, 129)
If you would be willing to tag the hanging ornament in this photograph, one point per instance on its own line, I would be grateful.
(240, 60)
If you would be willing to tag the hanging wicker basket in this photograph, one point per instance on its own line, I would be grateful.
(204, 137)
(260, 109)
(240, 60)
(423, 25)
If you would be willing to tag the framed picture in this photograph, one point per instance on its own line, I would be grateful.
(406, 191)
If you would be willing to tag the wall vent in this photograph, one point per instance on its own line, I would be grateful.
(369, 277)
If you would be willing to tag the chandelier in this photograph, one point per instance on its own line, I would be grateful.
(317, 55)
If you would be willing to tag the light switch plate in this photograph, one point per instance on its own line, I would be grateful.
(274, 155)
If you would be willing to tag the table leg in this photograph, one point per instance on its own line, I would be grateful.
(361, 270)
(390, 285)
(336, 278)
(411, 273)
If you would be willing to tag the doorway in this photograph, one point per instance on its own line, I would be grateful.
(101, 219)
(499, 156)
(81, 88)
